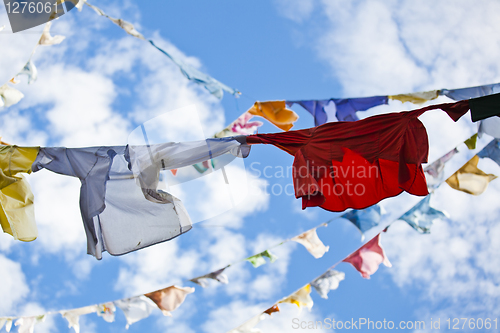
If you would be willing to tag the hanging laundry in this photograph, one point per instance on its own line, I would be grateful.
(73, 316)
(329, 280)
(215, 87)
(365, 219)
(249, 325)
(312, 243)
(357, 164)
(113, 206)
(416, 98)
(367, 258)
(471, 92)
(276, 113)
(106, 311)
(421, 216)
(30, 71)
(27, 324)
(484, 107)
(490, 126)
(301, 298)
(471, 142)
(240, 126)
(127, 26)
(491, 150)
(272, 309)
(436, 169)
(217, 276)
(470, 179)
(9, 96)
(47, 39)
(258, 259)
(146, 161)
(170, 298)
(135, 308)
(316, 108)
(339, 109)
(17, 215)
(7, 322)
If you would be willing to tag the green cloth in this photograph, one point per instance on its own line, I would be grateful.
(258, 259)
(471, 142)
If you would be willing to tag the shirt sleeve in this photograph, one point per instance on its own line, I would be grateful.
(291, 141)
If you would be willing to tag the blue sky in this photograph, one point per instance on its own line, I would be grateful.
(100, 83)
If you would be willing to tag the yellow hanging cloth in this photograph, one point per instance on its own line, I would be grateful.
(301, 298)
(470, 179)
(416, 98)
(17, 215)
(276, 112)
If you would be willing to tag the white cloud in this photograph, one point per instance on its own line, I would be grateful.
(13, 287)
(297, 11)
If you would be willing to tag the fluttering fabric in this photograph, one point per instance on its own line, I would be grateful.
(241, 126)
(490, 126)
(146, 161)
(484, 107)
(471, 92)
(471, 142)
(357, 164)
(47, 39)
(367, 258)
(491, 150)
(416, 98)
(30, 71)
(365, 219)
(106, 311)
(258, 259)
(135, 308)
(217, 276)
(329, 280)
(215, 87)
(9, 96)
(422, 216)
(127, 26)
(27, 324)
(17, 215)
(338, 109)
(7, 322)
(276, 113)
(470, 179)
(301, 298)
(312, 243)
(170, 298)
(272, 309)
(73, 316)
(436, 169)
(113, 207)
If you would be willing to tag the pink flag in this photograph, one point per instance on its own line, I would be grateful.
(367, 259)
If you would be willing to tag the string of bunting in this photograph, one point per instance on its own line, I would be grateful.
(420, 217)
(367, 258)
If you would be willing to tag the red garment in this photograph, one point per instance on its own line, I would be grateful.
(356, 164)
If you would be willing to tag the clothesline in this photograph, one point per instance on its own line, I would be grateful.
(295, 238)
(405, 216)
